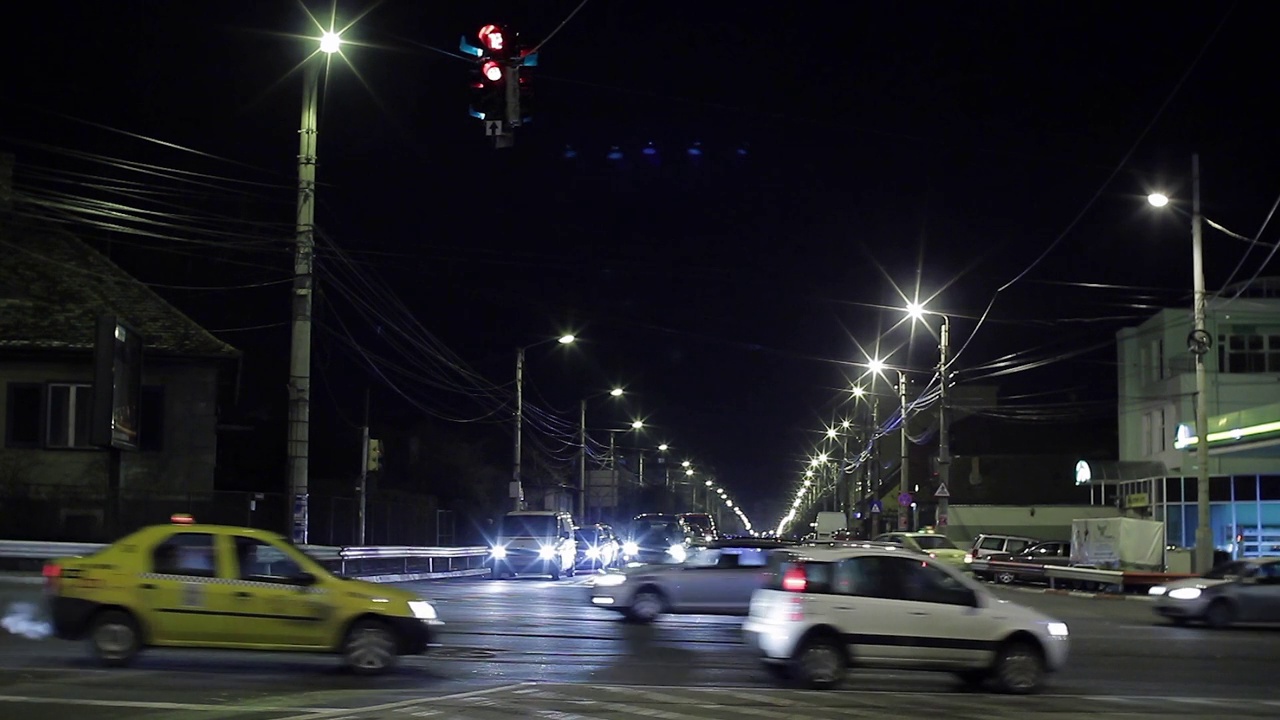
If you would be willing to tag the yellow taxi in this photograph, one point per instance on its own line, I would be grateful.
(186, 585)
(928, 542)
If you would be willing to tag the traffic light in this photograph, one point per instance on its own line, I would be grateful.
(494, 99)
(375, 455)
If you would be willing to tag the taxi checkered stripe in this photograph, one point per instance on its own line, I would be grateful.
(223, 581)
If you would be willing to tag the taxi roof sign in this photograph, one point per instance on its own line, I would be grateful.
(182, 519)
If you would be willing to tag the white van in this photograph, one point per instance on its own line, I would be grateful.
(828, 524)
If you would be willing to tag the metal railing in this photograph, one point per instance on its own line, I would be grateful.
(377, 563)
(1120, 580)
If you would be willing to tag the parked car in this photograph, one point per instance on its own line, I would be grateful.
(715, 580)
(989, 544)
(1053, 553)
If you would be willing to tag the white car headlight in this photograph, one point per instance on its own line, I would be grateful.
(630, 548)
(678, 553)
(968, 558)
(546, 552)
(1158, 590)
(498, 552)
(1184, 593)
(593, 553)
(609, 580)
(1057, 629)
(422, 610)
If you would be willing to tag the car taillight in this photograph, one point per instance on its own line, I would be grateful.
(52, 575)
(933, 555)
(794, 580)
(795, 610)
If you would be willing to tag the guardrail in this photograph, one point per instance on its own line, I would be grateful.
(1120, 580)
(378, 563)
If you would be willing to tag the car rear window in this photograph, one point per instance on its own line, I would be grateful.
(991, 543)
(817, 575)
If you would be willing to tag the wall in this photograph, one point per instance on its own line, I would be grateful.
(1043, 522)
(185, 462)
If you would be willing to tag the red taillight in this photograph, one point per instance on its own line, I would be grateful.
(794, 580)
(52, 574)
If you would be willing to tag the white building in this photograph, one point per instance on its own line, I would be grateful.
(1157, 386)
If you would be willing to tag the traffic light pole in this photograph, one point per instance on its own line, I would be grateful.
(364, 471)
(507, 138)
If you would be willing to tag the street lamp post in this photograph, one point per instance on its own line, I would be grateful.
(905, 462)
(303, 266)
(517, 485)
(917, 312)
(582, 452)
(1198, 344)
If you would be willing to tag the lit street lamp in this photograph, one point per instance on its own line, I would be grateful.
(917, 312)
(582, 448)
(1198, 343)
(303, 268)
(517, 487)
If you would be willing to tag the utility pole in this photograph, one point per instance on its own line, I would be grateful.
(582, 461)
(904, 481)
(364, 471)
(300, 346)
(517, 488)
(1199, 345)
(944, 426)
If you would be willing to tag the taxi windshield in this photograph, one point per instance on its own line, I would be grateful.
(934, 542)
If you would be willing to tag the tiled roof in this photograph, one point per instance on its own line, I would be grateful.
(53, 287)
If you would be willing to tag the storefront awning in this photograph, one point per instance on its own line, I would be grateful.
(1112, 472)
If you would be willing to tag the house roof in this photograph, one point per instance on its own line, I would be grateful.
(53, 287)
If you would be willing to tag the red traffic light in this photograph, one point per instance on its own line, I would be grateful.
(491, 37)
(492, 71)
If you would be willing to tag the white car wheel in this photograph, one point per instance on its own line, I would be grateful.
(820, 664)
(1020, 668)
(370, 648)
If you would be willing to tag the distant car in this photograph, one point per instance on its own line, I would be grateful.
(990, 544)
(699, 527)
(715, 580)
(186, 585)
(598, 548)
(534, 542)
(931, 544)
(655, 538)
(1055, 553)
(1237, 591)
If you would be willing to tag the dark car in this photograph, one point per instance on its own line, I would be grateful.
(655, 538)
(1034, 558)
(598, 547)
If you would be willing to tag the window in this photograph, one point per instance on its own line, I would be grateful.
(189, 554)
(1248, 350)
(1016, 546)
(1159, 358)
(1146, 434)
(922, 582)
(70, 416)
(1161, 440)
(263, 562)
(992, 543)
(22, 415)
(864, 577)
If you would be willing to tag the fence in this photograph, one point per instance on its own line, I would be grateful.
(70, 514)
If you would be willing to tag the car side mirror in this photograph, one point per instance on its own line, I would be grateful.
(305, 579)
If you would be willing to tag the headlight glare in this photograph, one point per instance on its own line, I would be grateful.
(1158, 590)
(546, 552)
(593, 553)
(1057, 629)
(678, 553)
(422, 610)
(630, 548)
(1184, 593)
(498, 552)
(609, 580)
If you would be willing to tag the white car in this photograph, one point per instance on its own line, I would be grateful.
(823, 611)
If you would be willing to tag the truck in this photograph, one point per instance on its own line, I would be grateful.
(828, 524)
(1119, 543)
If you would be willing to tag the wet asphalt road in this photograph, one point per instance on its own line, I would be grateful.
(533, 648)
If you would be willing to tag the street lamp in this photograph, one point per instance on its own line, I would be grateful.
(1198, 344)
(517, 488)
(303, 269)
(582, 445)
(916, 311)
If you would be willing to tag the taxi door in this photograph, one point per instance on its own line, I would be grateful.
(277, 603)
(182, 593)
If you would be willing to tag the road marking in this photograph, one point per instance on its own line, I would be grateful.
(332, 714)
(160, 705)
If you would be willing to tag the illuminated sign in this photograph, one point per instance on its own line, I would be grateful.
(1084, 475)
(1186, 436)
(117, 385)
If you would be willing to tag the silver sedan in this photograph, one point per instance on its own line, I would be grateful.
(715, 580)
(1237, 591)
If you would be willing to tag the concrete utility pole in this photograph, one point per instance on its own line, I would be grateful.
(1199, 345)
(944, 426)
(582, 461)
(303, 263)
(517, 487)
(364, 472)
(904, 488)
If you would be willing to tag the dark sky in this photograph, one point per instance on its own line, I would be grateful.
(947, 145)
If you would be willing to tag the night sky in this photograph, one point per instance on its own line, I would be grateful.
(846, 148)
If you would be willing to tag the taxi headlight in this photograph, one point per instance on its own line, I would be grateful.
(1184, 593)
(498, 552)
(678, 553)
(546, 552)
(422, 610)
(1158, 590)
(968, 558)
(609, 580)
(1057, 629)
(630, 548)
(593, 553)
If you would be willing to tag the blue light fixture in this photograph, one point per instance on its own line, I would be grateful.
(695, 149)
(570, 153)
(649, 149)
(614, 153)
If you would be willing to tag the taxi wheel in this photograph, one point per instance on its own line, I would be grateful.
(1019, 667)
(114, 638)
(370, 648)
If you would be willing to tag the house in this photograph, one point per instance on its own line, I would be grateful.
(53, 288)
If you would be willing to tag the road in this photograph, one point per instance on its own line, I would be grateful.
(533, 648)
